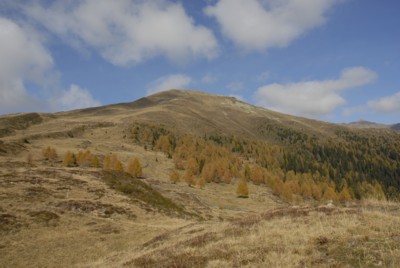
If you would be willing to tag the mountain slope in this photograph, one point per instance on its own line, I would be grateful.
(301, 174)
(329, 152)
(197, 112)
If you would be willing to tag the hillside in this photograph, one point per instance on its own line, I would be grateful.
(396, 127)
(66, 200)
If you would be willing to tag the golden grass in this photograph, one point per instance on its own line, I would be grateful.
(294, 237)
(53, 216)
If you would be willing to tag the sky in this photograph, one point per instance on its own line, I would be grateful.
(331, 60)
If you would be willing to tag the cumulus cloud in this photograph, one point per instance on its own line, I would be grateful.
(313, 98)
(126, 32)
(389, 104)
(349, 111)
(175, 81)
(23, 59)
(74, 98)
(263, 24)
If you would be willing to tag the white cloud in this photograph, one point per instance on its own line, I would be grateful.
(349, 111)
(313, 98)
(127, 32)
(74, 98)
(175, 81)
(263, 24)
(23, 59)
(389, 104)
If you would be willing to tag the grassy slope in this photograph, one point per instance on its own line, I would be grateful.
(56, 216)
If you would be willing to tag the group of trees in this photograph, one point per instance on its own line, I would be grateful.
(82, 159)
(298, 167)
(49, 153)
(110, 162)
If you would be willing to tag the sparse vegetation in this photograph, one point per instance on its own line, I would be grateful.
(82, 159)
(70, 159)
(111, 162)
(320, 195)
(50, 154)
(142, 193)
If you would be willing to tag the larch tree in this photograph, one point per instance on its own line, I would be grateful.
(107, 162)
(201, 182)
(118, 166)
(135, 168)
(242, 189)
(69, 159)
(174, 176)
(49, 154)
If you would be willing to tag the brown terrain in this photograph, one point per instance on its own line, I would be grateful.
(57, 216)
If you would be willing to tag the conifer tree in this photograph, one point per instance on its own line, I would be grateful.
(174, 176)
(49, 153)
(95, 162)
(107, 162)
(242, 189)
(69, 159)
(135, 168)
(118, 166)
(227, 176)
(344, 195)
(189, 178)
(201, 182)
(247, 172)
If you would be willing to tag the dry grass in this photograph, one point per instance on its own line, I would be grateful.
(292, 237)
(53, 216)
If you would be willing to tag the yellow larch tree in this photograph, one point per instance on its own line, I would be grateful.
(242, 189)
(174, 176)
(69, 159)
(135, 168)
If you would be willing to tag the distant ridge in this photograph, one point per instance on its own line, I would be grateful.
(396, 127)
(366, 124)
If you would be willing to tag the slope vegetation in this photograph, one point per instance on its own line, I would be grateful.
(63, 203)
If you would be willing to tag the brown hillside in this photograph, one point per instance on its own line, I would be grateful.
(66, 202)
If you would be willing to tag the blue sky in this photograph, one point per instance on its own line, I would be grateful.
(332, 60)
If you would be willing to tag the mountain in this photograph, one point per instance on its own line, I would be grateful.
(197, 112)
(396, 127)
(366, 124)
(68, 192)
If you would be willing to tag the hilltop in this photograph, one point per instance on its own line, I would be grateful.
(310, 184)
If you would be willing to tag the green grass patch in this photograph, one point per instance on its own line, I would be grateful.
(144, 194)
